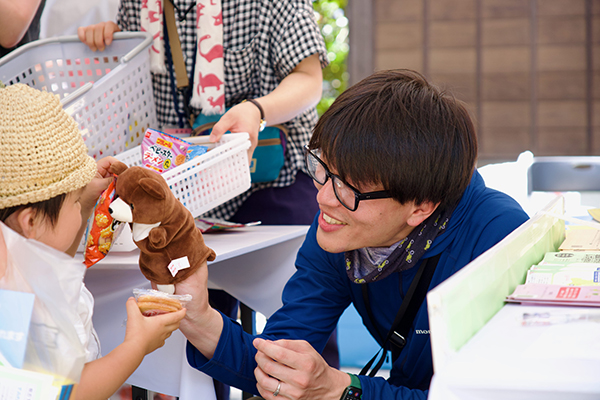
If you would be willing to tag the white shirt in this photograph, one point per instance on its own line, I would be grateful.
(61, 335)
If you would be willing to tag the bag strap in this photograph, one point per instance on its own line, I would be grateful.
(405, 316)
(180, 82)
(209, 125)
(175, 45)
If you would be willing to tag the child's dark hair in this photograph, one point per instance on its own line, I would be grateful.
(49, 209)
(396, 129)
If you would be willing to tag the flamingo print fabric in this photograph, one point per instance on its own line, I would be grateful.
(208, 90)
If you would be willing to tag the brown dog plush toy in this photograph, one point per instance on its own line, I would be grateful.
(163, 229)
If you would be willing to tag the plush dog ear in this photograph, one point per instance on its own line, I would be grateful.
(118, 167)
(153, 188)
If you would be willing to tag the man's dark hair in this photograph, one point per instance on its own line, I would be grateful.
(395, 129)
(49, 209)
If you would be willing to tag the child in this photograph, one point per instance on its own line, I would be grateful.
(49, 186)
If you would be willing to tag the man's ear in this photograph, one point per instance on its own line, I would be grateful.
(421, 212)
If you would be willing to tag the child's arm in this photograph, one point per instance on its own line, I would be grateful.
(101, 378)
(90, 195)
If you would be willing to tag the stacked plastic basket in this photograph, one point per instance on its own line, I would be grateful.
(109, 94)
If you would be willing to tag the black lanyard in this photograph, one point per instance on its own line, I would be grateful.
(396, 337)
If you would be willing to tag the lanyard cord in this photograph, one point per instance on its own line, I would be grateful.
(182, 14)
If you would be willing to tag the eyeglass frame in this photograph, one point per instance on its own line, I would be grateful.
(358, 196)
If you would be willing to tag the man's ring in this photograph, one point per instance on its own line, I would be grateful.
(276, 392)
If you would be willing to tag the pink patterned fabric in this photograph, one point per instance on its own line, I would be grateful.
(208, 87)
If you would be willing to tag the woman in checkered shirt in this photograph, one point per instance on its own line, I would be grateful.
(273, 53)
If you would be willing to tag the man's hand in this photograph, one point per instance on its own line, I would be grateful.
(298, 369)
(202, 325)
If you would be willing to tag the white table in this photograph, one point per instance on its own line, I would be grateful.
(506, 360)
(252, 265)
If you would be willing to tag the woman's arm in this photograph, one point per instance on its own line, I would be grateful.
(297, 92)
(15, 18)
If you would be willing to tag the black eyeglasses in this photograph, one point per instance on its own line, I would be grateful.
(346, 194)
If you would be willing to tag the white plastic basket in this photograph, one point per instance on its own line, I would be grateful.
(207, 180)
(201, 183)
(108, 93)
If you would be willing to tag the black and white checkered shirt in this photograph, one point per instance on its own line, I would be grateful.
(263, 41)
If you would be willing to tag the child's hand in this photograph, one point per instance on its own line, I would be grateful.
(97, 185)
(149, 332)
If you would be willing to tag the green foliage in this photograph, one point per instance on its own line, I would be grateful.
(334, 28)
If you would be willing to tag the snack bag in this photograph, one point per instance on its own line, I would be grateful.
(154, 302)
(162, 152)
(102, 229)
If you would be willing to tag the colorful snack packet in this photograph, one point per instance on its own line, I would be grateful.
(162, 152)
(102, 229)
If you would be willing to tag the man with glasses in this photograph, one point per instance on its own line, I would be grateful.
(401, 208)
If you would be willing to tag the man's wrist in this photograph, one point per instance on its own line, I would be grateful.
(354, 381)
(354, 390)
(203, 331)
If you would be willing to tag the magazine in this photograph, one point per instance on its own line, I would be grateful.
(566, 276)
(571, 257)
(541, 294)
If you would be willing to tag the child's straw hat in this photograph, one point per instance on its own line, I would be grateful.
(42, 154)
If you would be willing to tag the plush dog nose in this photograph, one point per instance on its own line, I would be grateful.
(120, 211)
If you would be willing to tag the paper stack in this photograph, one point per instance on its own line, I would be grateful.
(568, 277)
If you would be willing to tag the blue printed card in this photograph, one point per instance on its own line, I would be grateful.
(15, 316)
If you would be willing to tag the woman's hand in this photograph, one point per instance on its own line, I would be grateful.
(149, 333)
(98, 36)
(243, 117)
(298, 369)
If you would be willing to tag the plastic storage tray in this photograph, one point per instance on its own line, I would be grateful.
(201, 183)
(207, 180)
(108, 93)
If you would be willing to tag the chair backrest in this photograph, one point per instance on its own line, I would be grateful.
(564, 174)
